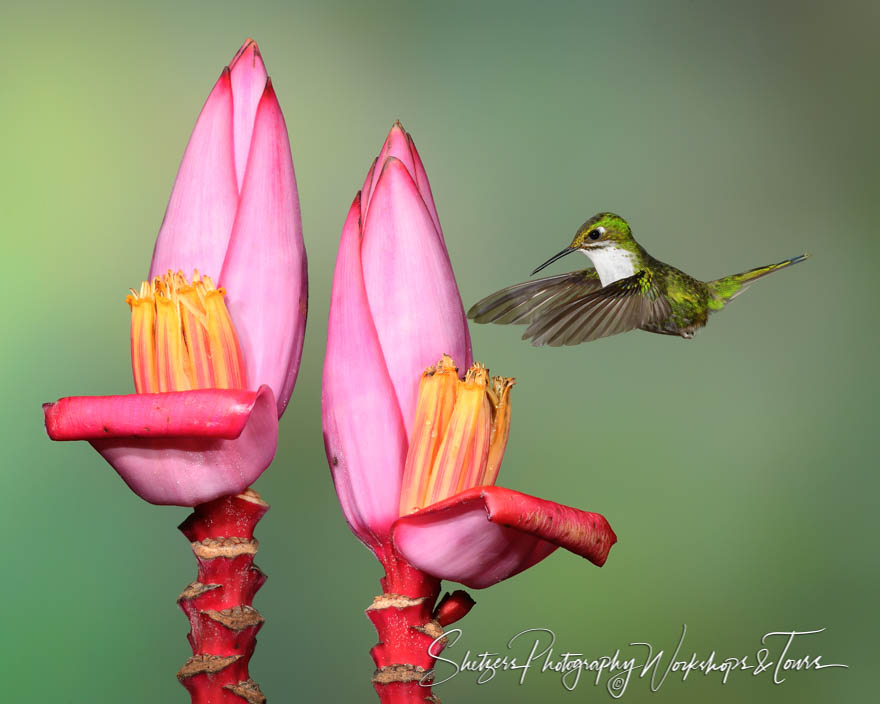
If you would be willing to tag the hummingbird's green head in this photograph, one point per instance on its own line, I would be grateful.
(602, 230)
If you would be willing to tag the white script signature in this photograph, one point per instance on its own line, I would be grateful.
(534, 651)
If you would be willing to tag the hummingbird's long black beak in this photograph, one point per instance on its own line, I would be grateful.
(560, 255)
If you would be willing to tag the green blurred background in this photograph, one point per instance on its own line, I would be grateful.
(738, 469)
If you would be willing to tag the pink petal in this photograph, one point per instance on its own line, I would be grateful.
(421, 179)
(410, 286)
(363, 431)
(248, 75)
(265, 272)
(422, 183)
(486, 534)
(198, 220)
(175, 468)
(368, 181)
(397, 145)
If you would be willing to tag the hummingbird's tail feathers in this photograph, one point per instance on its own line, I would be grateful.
(727, 288)
(522, 303)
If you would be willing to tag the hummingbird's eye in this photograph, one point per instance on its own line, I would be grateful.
(596, 233)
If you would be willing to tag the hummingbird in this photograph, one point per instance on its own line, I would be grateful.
(626, 290)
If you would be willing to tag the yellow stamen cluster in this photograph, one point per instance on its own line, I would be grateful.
(182, 337)
(459, 434)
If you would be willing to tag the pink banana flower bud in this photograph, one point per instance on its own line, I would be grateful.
(415, 453)
(395, 308)
(214, 365)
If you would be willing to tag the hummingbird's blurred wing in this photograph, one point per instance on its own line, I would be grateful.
(525, 302)
(620, 306)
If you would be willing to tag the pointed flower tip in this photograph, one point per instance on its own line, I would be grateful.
(394, 174)
(249, 48)
(355, 209)
(395, 167)
(396, 139)
(411, 143)
(221, 91)
(268, 93)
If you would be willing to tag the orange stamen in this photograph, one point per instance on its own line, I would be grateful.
(500, 401)
(437, 390)
(182, 336)
(143, 340)
(459, 434)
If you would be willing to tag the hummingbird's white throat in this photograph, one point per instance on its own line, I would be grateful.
(611, 263)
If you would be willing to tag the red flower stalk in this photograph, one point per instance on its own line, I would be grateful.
(223, 623)
(214, 365)
(415, 454)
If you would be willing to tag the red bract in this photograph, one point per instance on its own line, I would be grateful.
(488, 533)
(176, 447)
(215, 366)
(414, 455)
